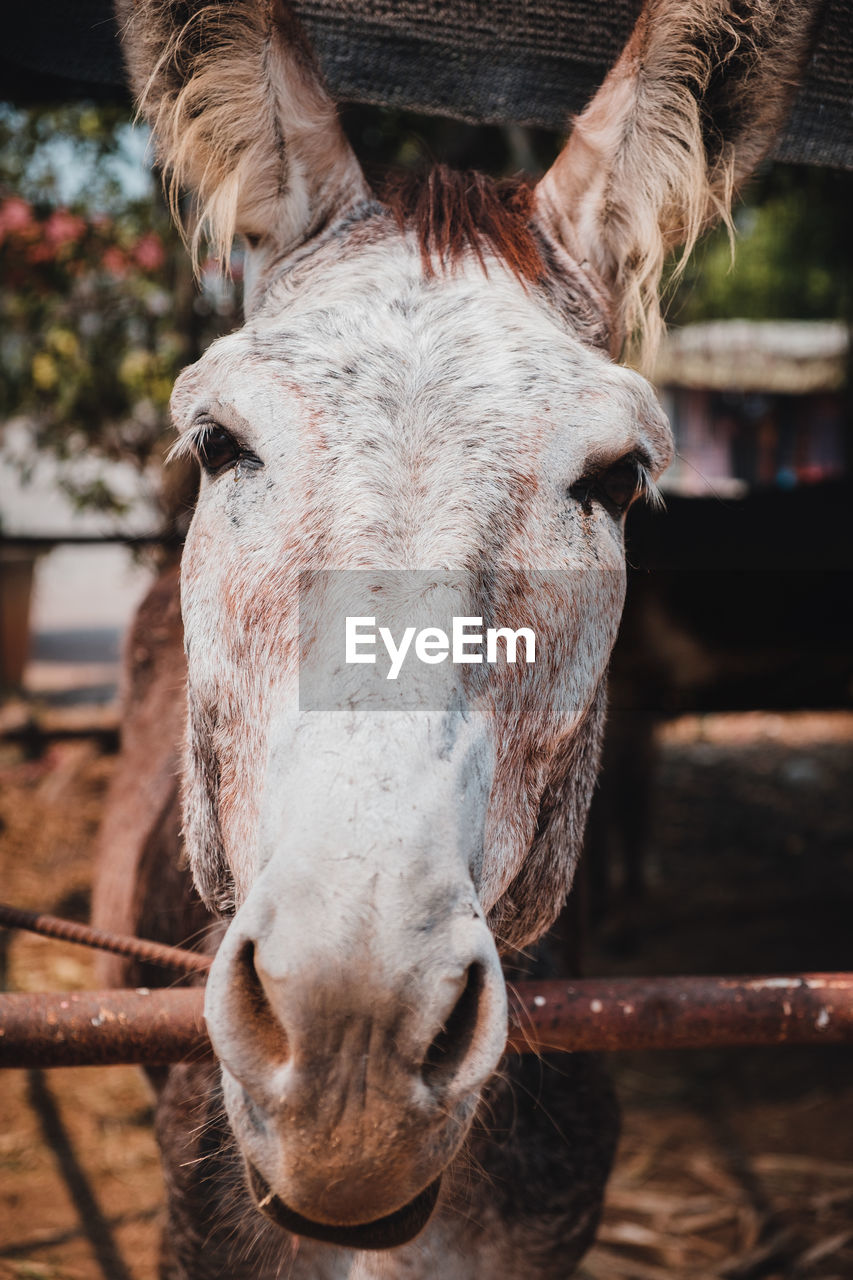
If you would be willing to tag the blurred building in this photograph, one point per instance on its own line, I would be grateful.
(755, 404)
(70, 577)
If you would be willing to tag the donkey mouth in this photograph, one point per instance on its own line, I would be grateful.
(383, 1233)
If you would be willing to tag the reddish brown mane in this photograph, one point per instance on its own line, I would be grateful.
(453, 211)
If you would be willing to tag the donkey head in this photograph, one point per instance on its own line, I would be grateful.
(423, 383)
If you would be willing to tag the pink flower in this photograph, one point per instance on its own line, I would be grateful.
(39, 251)
(63, 228)
(148, 252)
(114, 261)
(15, 215)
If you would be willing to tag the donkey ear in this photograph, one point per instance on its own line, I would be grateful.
(680, 122)
(240, 117)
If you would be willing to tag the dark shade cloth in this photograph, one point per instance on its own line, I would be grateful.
(484, 61)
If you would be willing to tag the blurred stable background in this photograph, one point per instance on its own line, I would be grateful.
(721, 839)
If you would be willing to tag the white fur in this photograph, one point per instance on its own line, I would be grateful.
(402, 423)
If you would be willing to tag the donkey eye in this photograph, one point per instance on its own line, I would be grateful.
(217, 449)
(615, 487)
(620, 483)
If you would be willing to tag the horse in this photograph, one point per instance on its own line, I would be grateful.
(426, 401)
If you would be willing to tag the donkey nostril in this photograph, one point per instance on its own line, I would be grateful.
(251, 987)
(450, 1047)
(256, 1007)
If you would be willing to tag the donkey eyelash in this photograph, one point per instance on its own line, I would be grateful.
(192, 444)
(648, 491)
(187, 445)
(191, 441)
(592, 487)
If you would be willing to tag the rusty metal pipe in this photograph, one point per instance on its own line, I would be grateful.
(102, 1028)
(84, 935)
(681, 1013)
(89, 1028)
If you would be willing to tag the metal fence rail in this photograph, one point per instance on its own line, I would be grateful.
(90, 1028)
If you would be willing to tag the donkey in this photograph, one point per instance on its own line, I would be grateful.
(426, 383)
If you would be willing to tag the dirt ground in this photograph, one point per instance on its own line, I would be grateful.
(733, 1164)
